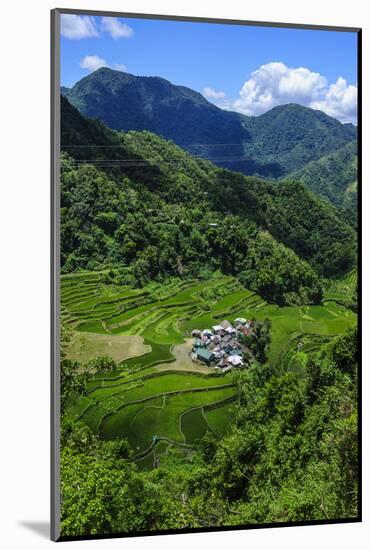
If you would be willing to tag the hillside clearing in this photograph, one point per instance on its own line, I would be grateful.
(85, 346)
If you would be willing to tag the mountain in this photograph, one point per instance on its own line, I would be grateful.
(295, 135)
(127, 102)
(271, 145)
(334, 177)
(143, 199)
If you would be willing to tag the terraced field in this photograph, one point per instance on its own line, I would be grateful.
(161, 399)
(342, 290)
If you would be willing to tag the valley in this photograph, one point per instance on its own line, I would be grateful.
(156, 393)
(208, 310)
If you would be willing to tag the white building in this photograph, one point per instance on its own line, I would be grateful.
(235, 360)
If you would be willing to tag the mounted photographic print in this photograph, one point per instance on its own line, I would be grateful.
(205, 274)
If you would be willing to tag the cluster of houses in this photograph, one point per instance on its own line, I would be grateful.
(221, 346)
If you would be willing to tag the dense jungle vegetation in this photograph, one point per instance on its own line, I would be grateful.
(149, 207)
(155, 243)
(291, 455)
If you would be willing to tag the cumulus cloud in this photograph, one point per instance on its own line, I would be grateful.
(210, 93)
(340, 101)
(76, 27)
(115, 28)
(276, 84)
(94, 62)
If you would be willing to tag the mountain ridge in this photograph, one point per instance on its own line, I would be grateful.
(272, 145)
(287, 210)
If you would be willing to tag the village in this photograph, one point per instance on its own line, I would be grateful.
(223, 346)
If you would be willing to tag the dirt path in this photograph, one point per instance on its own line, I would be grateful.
(183, 361)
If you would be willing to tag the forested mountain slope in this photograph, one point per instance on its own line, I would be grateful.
(335, 178)
(151, 208)
(293, 135)
(271, 145)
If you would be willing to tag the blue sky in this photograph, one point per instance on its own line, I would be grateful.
(238, 67)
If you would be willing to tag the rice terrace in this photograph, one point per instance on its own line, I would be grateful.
(209, 287)
(159, 398)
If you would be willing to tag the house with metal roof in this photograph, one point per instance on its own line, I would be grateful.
(205, 355)
(198, 343)
(236, 351)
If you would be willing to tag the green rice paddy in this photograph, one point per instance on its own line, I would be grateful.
(140, 401)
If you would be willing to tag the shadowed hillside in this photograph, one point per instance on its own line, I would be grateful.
(271, 145)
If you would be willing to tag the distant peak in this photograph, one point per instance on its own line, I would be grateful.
(110, 71)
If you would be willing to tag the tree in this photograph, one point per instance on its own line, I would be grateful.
(101, 364)
(72, 381)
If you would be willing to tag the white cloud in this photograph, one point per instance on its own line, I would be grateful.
(119, 67)
(94, 62)
(115, 28)
(276, 84)
(76, 27)
(210, 93)
(340, 101)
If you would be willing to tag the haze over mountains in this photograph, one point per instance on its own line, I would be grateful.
(272, 145)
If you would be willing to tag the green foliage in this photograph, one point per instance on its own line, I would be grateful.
(73, 382)
(271, 145)
(77, 436)
(208, 446)
(147, 214)
(334, 177)
(293, 215)
(102, 494)
(291, 455)
(65, 338)
(343, 290)
(102, 364)
(189, 244)
(259, 340)
(118, 216)
(344, 352)
(306, 467)
(292, 135)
